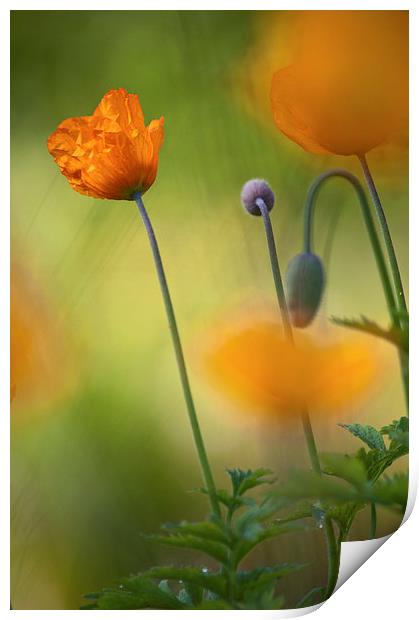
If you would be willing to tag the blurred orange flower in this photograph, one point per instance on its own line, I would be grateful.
(261, 370)
(111, 154)
(40, 366)
(346, 91)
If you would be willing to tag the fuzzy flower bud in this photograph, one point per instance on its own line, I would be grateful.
(254, 189)
(305, 280)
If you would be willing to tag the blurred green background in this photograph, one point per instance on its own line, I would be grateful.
(107, 453)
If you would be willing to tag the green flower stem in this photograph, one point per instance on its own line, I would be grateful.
(332, 548)
(373, 521)
(394, 265)
(401, 299)
(333, 553)
(310, 204)
(276, 272)
(193, 419)
(311, 442)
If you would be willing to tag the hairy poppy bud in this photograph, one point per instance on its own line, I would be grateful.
(254, 189)
(305, 283)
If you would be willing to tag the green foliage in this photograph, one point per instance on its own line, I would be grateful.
(316, 595)
(351, 482)
(245, 524)
(394, 335)
(398, 433)
(367, 434)
(347, 484)
(346, 467)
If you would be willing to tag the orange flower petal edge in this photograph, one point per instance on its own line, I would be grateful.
(111, 154)
(346, 88)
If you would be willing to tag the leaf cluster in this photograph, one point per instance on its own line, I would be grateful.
(350, 482)
(224, 542)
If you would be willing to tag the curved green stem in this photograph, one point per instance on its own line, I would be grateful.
(193, 419)
(311, 201)
(332, 548)
(398, 284)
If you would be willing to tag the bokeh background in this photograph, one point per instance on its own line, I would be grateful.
(101, 448)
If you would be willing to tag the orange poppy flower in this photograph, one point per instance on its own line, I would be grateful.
(261, 370)
(111, 154)
(346, 91)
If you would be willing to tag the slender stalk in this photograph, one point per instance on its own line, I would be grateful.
(276, 272)
(332, 549)
(394, 265)
(333, 553)
(391, 301)
(193, 419)
(373, 522)
(311, 442)
(398, 284)
(310, 204)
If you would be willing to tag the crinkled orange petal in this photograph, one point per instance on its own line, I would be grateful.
(110, 154)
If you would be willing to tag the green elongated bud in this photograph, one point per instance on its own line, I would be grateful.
(305, 280)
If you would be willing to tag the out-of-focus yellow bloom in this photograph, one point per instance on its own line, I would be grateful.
(262, 371)
(346, 89)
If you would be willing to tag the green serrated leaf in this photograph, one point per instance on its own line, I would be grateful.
(392, 491)
(397, 425)
(260, 577)
(137, 592)
(343, 515)
(207, 530)
(368, 434)
(398, 433)
(203, 578)
(303, 511)
(377, 461)
(310, 485)
(394, 335)
(349, 468)
(257, 514)
(230, 502)
(215, 550)
(245, 545)
(243, 481)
